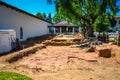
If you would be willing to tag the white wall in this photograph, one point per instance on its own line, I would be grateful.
(32, 27)
(117, 27)
(5, 42)
(111, 34)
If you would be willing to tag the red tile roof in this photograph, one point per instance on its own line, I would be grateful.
(117, 17)
(63, 23)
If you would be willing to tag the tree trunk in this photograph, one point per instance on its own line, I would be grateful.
(89, 29)
(84, 31)
(90, 32)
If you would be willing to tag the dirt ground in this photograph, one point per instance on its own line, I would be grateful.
(63, 62)
(67, 63)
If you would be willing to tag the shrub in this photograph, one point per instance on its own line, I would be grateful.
(13, 76)
(114, 39)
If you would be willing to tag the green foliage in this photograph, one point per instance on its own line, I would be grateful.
(113, 22)
(113, 39)
(86, 11)
(13, 76)
(41, 15)
(101, 24)
(49, 18)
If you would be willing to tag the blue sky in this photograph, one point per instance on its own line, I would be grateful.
(118, 4)
(34, 6)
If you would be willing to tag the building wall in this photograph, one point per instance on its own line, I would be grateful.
(117, 27)
(6, 38)
(32, 27)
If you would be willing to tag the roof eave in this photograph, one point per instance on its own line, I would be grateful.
(22, 11)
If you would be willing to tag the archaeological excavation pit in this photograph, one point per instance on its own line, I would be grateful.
(54, 58)
(48, 62)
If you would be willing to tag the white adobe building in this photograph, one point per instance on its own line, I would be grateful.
(25, 24)
(7, 40)
(117, 26)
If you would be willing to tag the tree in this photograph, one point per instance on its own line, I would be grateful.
(86, 11)
(112, 20)
(101, 24)
(49, 18)
(57, 18)
(41, 15)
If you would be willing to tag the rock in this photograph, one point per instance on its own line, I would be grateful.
(104, 53)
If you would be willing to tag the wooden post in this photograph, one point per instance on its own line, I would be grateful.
(60, 30)
(79, 29)
(118, 43)
(67, 29)
(73, 31)
(54, 30)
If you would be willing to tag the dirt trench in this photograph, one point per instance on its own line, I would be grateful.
(13, 57)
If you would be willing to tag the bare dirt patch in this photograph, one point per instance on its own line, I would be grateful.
(65, 40)
(41, 62)
(66, 63)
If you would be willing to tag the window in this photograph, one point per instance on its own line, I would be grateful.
(21, 33)
(119, 21)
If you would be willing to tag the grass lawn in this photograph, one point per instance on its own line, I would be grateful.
(13, 76)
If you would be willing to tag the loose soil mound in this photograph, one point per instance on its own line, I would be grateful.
(58, 43)
(12, 57)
